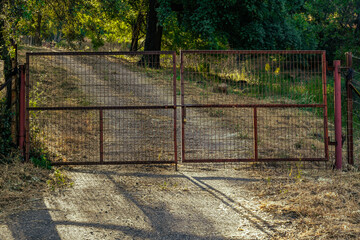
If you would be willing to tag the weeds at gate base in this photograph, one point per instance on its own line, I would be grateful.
(59, 180)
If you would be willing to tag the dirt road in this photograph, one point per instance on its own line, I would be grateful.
(147, 202)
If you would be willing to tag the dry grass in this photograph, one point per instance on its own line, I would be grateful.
(312, 204)
(20, 185)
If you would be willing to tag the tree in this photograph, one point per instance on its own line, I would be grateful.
(238, 24)
(336, 25)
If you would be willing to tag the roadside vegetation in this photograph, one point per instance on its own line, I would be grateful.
(311, 204)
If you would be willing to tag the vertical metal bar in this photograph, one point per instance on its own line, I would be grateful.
(183, 119)
(326, 132)
(22, 109)
(256, 157)
(337, 95)
(175, 109)
(349, 125)
(27, 117)
(101, 136)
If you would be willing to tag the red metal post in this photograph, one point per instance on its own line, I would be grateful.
(255, 135)
(101, 136)
(183, 110)
(175, 109)
(337, 95)
(349, 126)
(326, 130)
(22, 109)
(27, 114)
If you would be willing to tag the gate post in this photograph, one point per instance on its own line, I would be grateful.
(22, 109)
(349, 102)
(337, 99)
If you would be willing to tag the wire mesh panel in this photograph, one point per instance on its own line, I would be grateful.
(91, 108)
(353, 97)
(253, 106)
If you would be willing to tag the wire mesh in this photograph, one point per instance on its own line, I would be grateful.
(254, 106)
(355, 81)
(89, 108)
(61, 80)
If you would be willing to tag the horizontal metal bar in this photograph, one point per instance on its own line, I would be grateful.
(254, 105)
(100, 108)
(99, 53)
(255, 51)
(354, 88)
(111, 163)
(6, 83)
(175, 106)
(259, 160)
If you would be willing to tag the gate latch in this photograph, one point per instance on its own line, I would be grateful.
(343, 138)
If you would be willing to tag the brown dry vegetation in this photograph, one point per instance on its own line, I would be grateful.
(20, 185)
(312, 204)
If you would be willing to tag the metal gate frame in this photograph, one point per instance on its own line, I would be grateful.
(256, 158)
(27, 109)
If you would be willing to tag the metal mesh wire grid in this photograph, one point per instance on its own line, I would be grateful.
(355, 81)
(254, 105)
(240, 105)
(85, 79)
(90, 108)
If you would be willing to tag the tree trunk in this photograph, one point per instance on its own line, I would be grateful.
(153, 37)
(38, 30)
(136, 32)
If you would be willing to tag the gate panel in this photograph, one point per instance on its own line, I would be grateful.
(102, 108)
(274, 100)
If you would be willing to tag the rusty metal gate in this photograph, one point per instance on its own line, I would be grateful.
(121, 107)
(240, 106)
(101, 108)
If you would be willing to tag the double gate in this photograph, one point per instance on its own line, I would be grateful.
(122, 107)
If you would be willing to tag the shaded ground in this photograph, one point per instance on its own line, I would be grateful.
(145, 202)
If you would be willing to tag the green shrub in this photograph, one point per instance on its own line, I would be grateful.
(40, 158)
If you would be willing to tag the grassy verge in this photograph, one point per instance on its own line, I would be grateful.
(312, 204)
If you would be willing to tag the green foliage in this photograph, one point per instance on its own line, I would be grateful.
(238, 24)
(59, 180)
(40, 158)
(336, 25)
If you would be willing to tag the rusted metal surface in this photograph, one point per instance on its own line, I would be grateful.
(183, 107)
(22, 109)
(337, 94)
(326, 129)
(258, 160)
(90, 108)
(175, 109)
(254, 106)
(256, 151)
(27, 105)
(86, 108)
(349, 113)
(101, 136)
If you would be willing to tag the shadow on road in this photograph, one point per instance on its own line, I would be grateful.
(159, 215)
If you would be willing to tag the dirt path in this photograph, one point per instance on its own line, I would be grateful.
(145, 202)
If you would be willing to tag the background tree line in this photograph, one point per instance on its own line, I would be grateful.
(332, 25)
